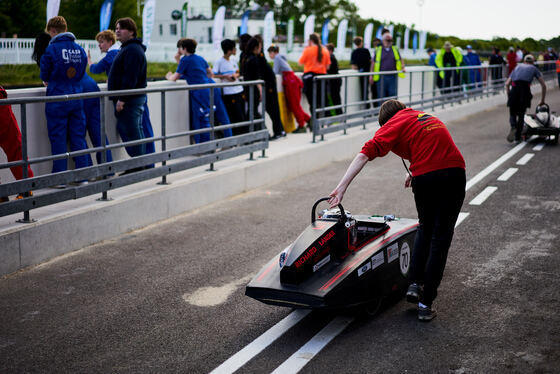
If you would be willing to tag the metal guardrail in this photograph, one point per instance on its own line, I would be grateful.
(434, 97)
(103, 177)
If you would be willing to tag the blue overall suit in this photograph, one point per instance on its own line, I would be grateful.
(63, 66)
(193, 69)
(92, 109)
(103, 66)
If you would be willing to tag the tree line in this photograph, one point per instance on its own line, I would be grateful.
(27, 18)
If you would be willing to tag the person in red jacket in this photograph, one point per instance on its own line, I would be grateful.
(10, 140)
(511, 58)
(437, 177)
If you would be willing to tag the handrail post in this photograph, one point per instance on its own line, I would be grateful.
(263, 109)
(345, 103)
(314, 106)
(409, 88)
(251, 113)
(104, 196)
(212, 133)
(26, 216)
(422, 91)
(163, 134)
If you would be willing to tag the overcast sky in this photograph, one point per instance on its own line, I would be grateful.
(471, 19)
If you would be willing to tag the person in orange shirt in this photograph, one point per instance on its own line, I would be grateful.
(315, 60)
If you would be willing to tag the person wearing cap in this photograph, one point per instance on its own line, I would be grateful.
(437, 178)
(518, 87)
(472, 59)
(511, 58)
(387, 58)
(449, 56)
(432, 62)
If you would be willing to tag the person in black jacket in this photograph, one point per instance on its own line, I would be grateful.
(129, 72)
(496, 59)
(271, 92)
(334, 84)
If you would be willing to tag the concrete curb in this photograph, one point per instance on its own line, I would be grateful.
(28, 245)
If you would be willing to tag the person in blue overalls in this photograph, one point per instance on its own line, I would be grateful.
(106, 41)
(63, 66)
(472, 59)
(91, 106)
(195, 70)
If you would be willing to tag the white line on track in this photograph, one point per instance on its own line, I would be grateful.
(481, 197)
(461, 218)
(525, 159)
(299, 359)
(538, 147)
(259, 344)
(493, 166)
(507, 174)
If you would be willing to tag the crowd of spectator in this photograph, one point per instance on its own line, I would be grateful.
(63, 69)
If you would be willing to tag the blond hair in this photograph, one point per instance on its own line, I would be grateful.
(57, 23)
(107, 35)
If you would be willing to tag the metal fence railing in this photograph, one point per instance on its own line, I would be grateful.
(104, 176)
(458, 84)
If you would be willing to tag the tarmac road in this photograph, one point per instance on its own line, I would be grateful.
(170, 297)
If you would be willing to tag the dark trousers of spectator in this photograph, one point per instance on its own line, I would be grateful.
(10, 140)
(273, 109)
(386, 86)
(334, 91)
(451, 81)
(129, 124)
(364, 90)
(93, 125)
(235, 107)
(67, 122)
(439, 196)
(308, 91)
(255, 108)
(373, 89)
(517, 119)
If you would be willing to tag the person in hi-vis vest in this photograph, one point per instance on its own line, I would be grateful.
(387, 58)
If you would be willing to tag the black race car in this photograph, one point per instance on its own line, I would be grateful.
(339, 261)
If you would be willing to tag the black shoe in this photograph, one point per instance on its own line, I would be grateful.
(413, 293)
(130, 171)
(426, 314)
(511, 135)
(300, 130)
(4, 199)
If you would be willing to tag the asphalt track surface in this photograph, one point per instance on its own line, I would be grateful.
(170, 297)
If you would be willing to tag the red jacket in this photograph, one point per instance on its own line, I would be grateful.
(418, 137)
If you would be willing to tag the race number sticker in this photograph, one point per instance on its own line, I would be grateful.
(404, 259)
(392, 252)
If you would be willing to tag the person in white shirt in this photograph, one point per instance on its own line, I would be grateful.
(226, 69)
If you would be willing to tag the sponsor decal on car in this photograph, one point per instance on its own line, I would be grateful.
(392, 252)
(364, 268)
(404, 258)
(306, 256)
(321, 263)
(377, 260)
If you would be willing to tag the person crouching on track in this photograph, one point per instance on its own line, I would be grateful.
(292, 86)
(519, 96)
(437, 177)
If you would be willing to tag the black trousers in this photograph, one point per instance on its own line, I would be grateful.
(516, 119)
(273, 108)
(439, 196)
(334, 91)
(308, 91)
(364, 90)
(235, 107)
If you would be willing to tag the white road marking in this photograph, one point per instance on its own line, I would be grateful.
(461, 218)
(493, 166)
(507, 174)
(525, 159)
(538, 147)
(259, 344)
(481, 197)
(299, 359)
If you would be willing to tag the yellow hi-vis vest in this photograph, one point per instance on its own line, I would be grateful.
(439, 60)
(377, 65)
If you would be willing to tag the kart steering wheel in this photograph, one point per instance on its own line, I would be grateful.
(342, 211)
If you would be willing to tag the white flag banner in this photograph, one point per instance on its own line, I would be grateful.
(52, 9)
(341, 35)
(148, 17)
(308, 28)
(391, 28)
(269, 30)
(368, 33)
(290, 40)
(423, 37)
(406, 37)
(218, 28)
